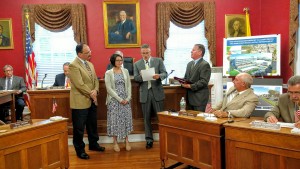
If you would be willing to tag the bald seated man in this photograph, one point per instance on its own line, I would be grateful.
(240, 100)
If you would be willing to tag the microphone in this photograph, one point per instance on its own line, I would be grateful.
(44, 79)
(167, 77)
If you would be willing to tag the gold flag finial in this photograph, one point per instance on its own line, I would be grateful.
(246, 9)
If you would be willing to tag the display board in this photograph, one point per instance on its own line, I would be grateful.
(256, 55)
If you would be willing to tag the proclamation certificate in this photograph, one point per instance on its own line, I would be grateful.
(148, 74)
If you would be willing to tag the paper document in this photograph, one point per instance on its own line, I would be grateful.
(148, 74)
(287, 125)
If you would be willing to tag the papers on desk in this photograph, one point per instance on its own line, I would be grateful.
(295, 130)
(148, 74)
(286, 125)
(206, 115)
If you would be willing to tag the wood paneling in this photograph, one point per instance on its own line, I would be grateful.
(43, 144)
(252, 148)
(191, 140)
(42, 100)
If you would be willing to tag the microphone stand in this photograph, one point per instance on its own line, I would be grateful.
(167, 78)
(43, 80)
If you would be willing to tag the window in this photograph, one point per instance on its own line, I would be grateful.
(179, 47)
(52, 50)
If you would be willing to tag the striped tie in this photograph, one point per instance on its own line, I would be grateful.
(147, 67)
(88, 68)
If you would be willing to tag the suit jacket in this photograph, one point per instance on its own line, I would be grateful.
(111, 88)
(17, 84)
(82, 84)
(157, 87)
(284, 109)
(241, 105)
(123, 29)
(199, 75)
(5, 41)
(60, 80)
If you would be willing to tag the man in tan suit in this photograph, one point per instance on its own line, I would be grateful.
(288, 106)
(240, 101)
(83, 101)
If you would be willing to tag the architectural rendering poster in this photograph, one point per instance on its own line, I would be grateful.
(268, 96)
(256, 55)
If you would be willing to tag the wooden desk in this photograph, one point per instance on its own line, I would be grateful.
(41, 105)
(44, 144)
(252, 148)
(191, 140)
(8, 96)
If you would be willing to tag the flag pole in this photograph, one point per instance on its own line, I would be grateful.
(248, 28)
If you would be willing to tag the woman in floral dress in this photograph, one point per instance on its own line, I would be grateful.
(119, 114)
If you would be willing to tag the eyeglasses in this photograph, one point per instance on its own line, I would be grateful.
(86, 53)
(293, 93)
(145, 53)
(119, 60)
(8, 70)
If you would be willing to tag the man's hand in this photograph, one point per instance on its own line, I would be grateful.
(156, 76)
(272, 119)
(220, 114)
(128, 35)
(297, 124)
(188, 86)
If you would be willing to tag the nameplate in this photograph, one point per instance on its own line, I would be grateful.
(265, 125)
(20, 124)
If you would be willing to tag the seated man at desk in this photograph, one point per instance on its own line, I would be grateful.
(10, 82)
(288, 104)
(240, 100)
(63, 79)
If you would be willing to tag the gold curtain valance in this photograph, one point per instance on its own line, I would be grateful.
(294, 24)
(57, 18)
(186, 15)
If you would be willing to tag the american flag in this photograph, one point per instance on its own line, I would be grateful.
(31, 73)
(30, 64)
(54, 105)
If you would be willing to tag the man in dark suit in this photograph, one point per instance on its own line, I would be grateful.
(83, 101)
(151, 92)
(4, 41)
(62, 79)
(11, 82)
(198, 73)
(123, 31)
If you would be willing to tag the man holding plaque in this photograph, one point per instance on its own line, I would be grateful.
(197, 73)
(288, 106)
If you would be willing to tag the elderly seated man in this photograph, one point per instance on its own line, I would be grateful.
(240, 100)
(288, 104)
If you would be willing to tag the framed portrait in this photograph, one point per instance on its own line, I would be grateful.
(121, 23)
(6, 34)
(235, 25)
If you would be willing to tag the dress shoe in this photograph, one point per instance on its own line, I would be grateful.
(127, 146)
(149, 144)
(84, 156)
(116, 147)
(97, 148)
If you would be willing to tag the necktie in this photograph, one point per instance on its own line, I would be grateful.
(9, 84)
(297, 113)
(232, 96)
(88, 68)
(147, 67)
(67, 82)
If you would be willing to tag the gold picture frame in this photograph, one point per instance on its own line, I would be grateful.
(6, 34)
(121, 23)
(235, 25)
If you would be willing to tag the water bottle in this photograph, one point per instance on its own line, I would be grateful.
(33, 85)
(182, 104)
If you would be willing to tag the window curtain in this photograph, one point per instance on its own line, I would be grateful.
(186, 15)
(56, 18)
(294, 24)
